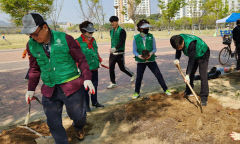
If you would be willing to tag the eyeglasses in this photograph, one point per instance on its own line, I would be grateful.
(35, 34)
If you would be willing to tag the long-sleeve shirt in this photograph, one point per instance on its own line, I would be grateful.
(236, 34)
(191, 55)
(122, 39)
(69, 87)
(144, 40)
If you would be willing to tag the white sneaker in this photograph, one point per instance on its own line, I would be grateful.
(133, 78)
(112, 85)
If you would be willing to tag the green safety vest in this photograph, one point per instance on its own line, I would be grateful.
(201, 46)
(115, 38)
(60, 67)
(90, 54)
(148, 46)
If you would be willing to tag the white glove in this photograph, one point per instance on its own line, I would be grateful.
(187, 79)
(139, 56)
(29, 96)
(88, 84)
(235, 136)
(112, 50)
(176, 61)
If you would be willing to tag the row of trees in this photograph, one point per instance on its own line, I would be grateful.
(92, 10)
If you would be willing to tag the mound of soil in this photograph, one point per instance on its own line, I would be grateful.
(154, 119)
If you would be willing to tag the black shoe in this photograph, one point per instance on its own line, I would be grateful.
(204, 103)
(186, 95)
(98, 105)
(88, 109)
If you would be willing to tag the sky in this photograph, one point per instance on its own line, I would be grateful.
(71, 11)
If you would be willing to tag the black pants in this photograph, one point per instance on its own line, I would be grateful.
(155, 70)
(75, 106)
(113, 59)
(95, 84)
(202, 63)
(238, 53)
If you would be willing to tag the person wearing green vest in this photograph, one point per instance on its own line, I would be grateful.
(118, 38)
(144, 49)
(90, 49)
(198, 56)
(53, 57)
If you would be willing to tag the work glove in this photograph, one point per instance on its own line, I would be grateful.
(29, 96)
(176, 61)
(235, 136)
(187, 79)
(140, 56)
(112, 50)
(88, 85)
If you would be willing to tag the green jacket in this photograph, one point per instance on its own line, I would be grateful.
(148, 46)
(60, 67)
(90, 54)
(201, 46)
(115, 38)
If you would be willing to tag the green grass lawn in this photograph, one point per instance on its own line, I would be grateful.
(16, 41)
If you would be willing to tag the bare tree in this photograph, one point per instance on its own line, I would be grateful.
(93, 12)
(55, 12)
(132, 11)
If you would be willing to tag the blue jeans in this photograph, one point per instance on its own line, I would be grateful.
(155, 70)
(76, 110)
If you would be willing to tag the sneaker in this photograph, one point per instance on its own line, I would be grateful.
(80, 134)
(135, 95)
(167, 92)
(133, 78)
(187, 95)
(112, 85)
(204, 103)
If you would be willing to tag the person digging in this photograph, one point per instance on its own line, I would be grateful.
(198, 53)
(53, 57)
(144, 49)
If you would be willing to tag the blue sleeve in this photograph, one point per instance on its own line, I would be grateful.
(135, 48)
(154, 46)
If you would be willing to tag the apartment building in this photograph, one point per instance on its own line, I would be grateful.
(122, 6)
(193, 7)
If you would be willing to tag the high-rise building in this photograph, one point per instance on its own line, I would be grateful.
(122, 7)
(234, 5)
(193, 7)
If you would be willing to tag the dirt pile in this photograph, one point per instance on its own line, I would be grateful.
(154, 119)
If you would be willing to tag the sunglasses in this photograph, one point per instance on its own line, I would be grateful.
(90, 32)
(35, 34)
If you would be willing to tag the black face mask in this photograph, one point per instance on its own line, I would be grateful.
(145, 31)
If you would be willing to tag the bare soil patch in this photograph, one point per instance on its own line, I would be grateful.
(153, 119)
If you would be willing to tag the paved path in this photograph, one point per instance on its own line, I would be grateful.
(13, 86)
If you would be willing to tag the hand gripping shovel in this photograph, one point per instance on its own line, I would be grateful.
(42, 139)
(195, 95)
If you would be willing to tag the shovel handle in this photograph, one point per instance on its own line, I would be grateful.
(195, 95)
(31, 130)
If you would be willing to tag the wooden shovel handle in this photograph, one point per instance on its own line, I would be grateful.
(195, 95)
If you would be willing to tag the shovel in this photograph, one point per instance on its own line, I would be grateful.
(195, 95)
(42, 139)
